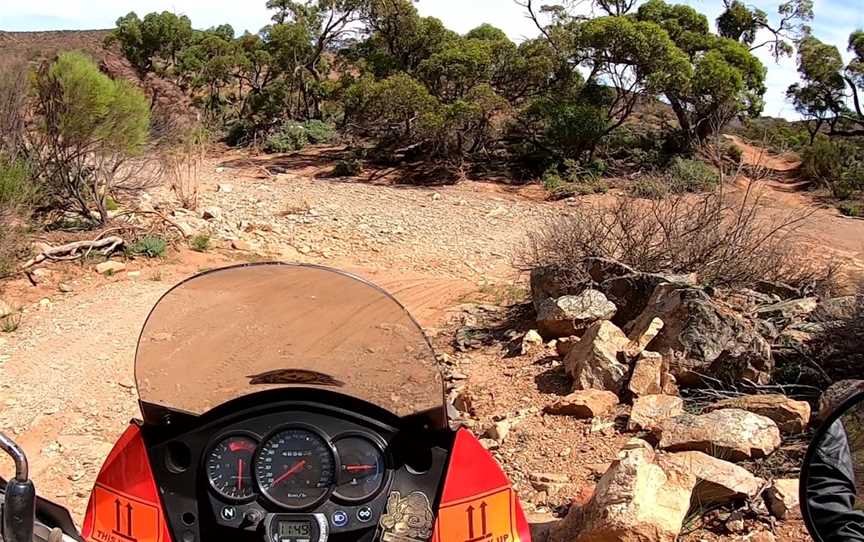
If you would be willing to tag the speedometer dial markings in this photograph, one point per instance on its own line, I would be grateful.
(229, 467)
(295, 468)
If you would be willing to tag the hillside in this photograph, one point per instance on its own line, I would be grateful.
(37, 47)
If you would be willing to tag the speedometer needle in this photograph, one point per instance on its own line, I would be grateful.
(288, 473)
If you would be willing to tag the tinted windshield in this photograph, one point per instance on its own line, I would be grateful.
(241, 330)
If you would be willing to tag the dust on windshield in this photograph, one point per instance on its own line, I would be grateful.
(241, 330)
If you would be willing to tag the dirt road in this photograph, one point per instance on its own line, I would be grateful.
(66, 376)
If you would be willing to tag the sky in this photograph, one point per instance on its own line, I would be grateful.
(835, 20)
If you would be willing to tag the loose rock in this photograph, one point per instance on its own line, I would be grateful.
(499, 431)
(565, 344)
(531, 340)
(631, 294)
(65, 288)
(552, 282)
(782, 499)
(788, 310)
(647, 377)
(641, 342)
(594, 361)
(719, 481)
(790, 415)
(5, 309)
(584, 404)
(836, 394)
(635, 501)
(225, 187)
(110, 267)
(651, 410)
(780, 289)
(211, 213)
(730, 433)
(838, 308)
(571, 314)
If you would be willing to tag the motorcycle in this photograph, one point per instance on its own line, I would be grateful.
(283, 403)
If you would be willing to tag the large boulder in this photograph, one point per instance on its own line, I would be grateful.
(647, 376)
(584, 404)
(650, 411)
(718, 481)
(731, 434)
(571, 314)
(703, 337)
(631, 294)
(637, 500)
(791, 416)
(598, 360)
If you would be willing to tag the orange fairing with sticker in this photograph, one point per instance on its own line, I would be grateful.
(125, 505)
(478, 503)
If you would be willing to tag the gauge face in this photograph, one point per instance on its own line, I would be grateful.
(361, 469)
(295, 468)
(229, 467)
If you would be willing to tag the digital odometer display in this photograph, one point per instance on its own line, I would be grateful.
(295, 468)
(294, 529)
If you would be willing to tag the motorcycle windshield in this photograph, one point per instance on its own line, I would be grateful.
(241, 330)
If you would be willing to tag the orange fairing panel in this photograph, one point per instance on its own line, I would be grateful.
(478, 503)
(125, 505)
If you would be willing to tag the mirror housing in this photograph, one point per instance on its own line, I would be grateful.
(833, 475)
(19, 498)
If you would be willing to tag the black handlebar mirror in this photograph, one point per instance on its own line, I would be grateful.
(19, 497)
(832, 478)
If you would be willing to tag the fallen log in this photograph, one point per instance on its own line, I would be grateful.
(76, 250)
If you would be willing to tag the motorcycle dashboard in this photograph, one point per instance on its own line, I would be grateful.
(298, 472)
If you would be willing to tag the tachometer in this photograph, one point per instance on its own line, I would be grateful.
(295, 468)
(361, 469)
(229, 467)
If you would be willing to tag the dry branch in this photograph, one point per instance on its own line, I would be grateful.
(76, 250)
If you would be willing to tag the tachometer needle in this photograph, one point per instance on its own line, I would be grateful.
(358, 468)
(239, 475)
(288, 473)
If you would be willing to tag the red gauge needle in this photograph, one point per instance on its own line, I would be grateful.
(239, 475)
(288, 473)
(358, 468)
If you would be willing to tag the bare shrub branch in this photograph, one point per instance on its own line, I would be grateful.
(724, 241)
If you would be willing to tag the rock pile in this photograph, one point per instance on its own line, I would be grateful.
(626, 337)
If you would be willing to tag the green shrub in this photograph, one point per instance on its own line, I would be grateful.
(835, 165)
(16, 187)
(83, 112)
(291, 136)
(151, 247)
(200, 242)
(347, 168)
(319, 132)
(111, 204)
(649, 188)
(853, 209)
(691, 176)
(17, 195)
(733, 153)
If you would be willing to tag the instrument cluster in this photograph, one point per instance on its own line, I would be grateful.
(296, 467)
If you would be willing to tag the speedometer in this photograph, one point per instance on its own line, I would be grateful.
(295, 468)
